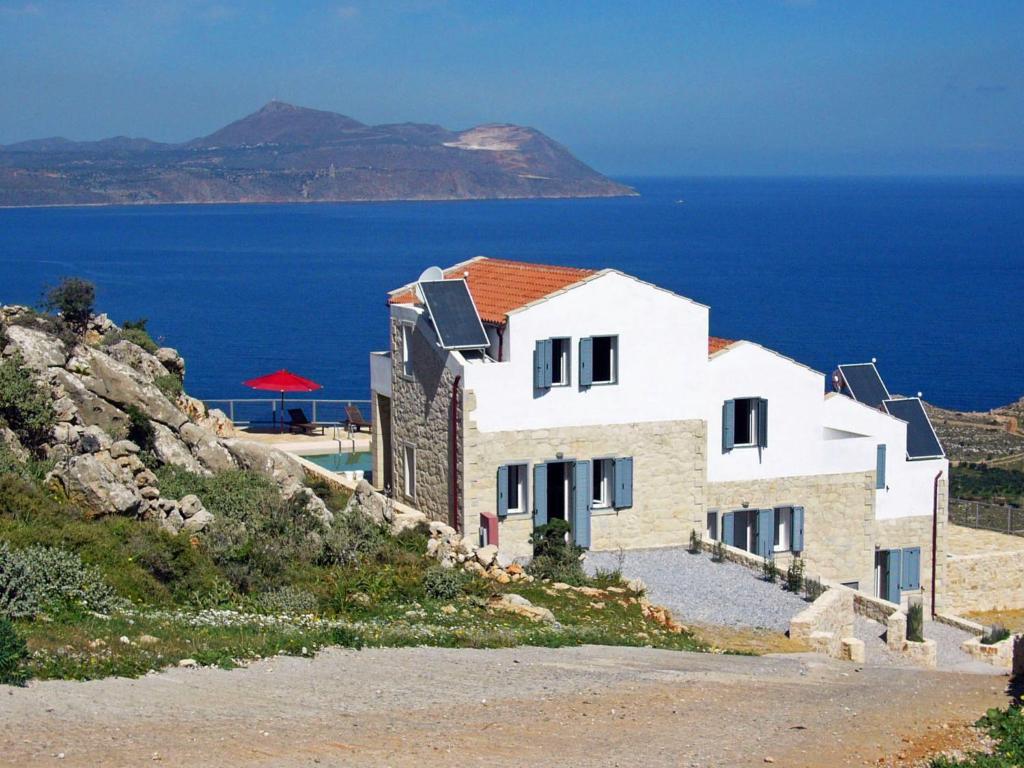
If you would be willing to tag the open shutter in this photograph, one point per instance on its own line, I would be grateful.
(623, 483)
(894, 576)
(502, 491)
(540, 494)
(911, 580)
(586, 361)
(728, 425)
(581, 500)
(765, 532)
(762, 423)
(542, 364)
(728, 528)
(880, 467)
(797, 538)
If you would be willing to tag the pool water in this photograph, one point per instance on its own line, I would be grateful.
(344, 462)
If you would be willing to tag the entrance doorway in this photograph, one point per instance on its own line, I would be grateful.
(887, 574)
(558, 490)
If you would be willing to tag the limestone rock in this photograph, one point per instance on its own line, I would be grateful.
(93, 440)
(173, 522)
(13, 444)
(198, 521)
(88, 408)
(206, 448)
(171, 361)
(149, 492)
(87, 481)
(269, 462)
(170, 450)
(38, 349)
(514, 603)
(485, 555)
(138, 358)
(190, 506)
(123, 448)
(144, 478)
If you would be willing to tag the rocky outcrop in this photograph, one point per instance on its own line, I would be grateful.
(451, 549)
(98, 386)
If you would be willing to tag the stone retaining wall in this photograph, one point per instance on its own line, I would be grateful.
(827, 625)
(985, 582)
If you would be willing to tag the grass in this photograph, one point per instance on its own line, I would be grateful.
(1012, 620)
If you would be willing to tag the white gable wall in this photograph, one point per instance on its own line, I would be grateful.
(661, 368)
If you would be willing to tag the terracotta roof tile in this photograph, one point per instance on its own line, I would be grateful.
(499, 286)
(716, 344)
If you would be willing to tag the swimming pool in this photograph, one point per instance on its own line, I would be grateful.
(359, 461)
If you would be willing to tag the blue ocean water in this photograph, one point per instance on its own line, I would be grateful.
(926, 275)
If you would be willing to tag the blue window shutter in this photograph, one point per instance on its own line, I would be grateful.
(911, 580)
(728, 425)
(581, 504)
(540, 494)
(502, 491)
(623, 483)
(797, 537)
(880, 467)
(765, 532)
(895, 574)
(586, 361)
(762, 423)
(538, 365)
(729, 528)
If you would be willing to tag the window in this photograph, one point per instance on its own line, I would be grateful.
(515, 488)
(407, 334)
(744, 423)
(605, 359)
(560, 362)
(410, 471)
(783, 528)
(602, 481)
(712, 525)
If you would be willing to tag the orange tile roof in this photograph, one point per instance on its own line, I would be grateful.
(716, 344)
(499, 286)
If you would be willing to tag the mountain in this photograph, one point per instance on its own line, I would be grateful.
(284, 153)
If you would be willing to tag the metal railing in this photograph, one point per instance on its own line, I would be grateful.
(1002, 518)
(246, 411)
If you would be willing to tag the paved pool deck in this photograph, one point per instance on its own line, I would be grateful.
(334, 440)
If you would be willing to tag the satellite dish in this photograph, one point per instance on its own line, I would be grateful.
(430, 275)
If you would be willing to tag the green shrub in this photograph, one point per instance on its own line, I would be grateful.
(555, 556)
(170, 385)
(136, 332)
(813, 588)
(73, 298)
(13, 654)
(915, 622)
(37, 579)
(995, 634)
(1006, 729)
(443, 583)
(140, 429)
(695, 542)
(769, 570)
(25, 406)
(795, 575)
(718, 552)
(288, 600)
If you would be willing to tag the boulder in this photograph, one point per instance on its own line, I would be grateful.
(171, 361)
(138, 358)
(513, 603)
(485, 555)
(123, 448)
(122, 385)
(206, 448)
(173, 522)
(144, 478)
(170, 450)
(65, 434)
(198, 521)
(38, 349)
(371, 503)
(87, 481)
(88, 408)
(93, 440)
(64, 408)
(149, 492)
(12, 443)
(190, 506)
(269, 462)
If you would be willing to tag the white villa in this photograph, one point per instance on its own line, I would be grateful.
(598, 398)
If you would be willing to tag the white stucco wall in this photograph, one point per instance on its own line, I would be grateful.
(661, 369)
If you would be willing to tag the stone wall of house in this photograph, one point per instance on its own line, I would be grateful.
(917, 532)
(839, 519)
(420, 417)
(984, 582)
(668, 478)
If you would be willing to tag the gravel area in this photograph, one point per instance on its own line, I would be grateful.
(698, 590)
(947, 640)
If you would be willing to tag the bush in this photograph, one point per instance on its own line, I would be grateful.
(915, 623)
(135, 331)
(555, 556)
(13, 653)
(73, 298)
(37, 579)
(140, 429)
(170, 385)
(24, 405)
(288, 600)
(995, 634)
(769, 570)
(718, 552)
(795, 576)
(695, 542)
(443, 583)
(813, 589)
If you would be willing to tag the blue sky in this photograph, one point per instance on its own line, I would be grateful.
(655, 88)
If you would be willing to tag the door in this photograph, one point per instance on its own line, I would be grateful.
(582, 497)
(888, 569)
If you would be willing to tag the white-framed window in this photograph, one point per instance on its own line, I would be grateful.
(783, 529)
(560, 362)
(410, 471)
(516, 490)
(605, 356)
(711, 530)
(746, 421)
(602, 478)
(407, 336)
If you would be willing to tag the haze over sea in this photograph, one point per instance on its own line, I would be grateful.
(927, 275)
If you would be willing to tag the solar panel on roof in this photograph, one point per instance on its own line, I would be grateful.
(455, 317)
(922, 443)
(864, 384)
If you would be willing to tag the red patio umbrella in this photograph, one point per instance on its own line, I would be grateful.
(282, 381)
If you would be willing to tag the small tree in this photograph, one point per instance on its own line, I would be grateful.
(718, 552)
(73, 298)
(24, 405)
(795, 575)
(13, 654)
(769, 570)
(695, 542)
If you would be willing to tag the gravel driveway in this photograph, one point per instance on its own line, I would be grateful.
(948, 640)
(698, 590)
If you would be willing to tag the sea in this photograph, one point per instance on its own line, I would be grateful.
(925, 275)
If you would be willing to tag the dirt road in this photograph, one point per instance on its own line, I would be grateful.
(591, 706)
